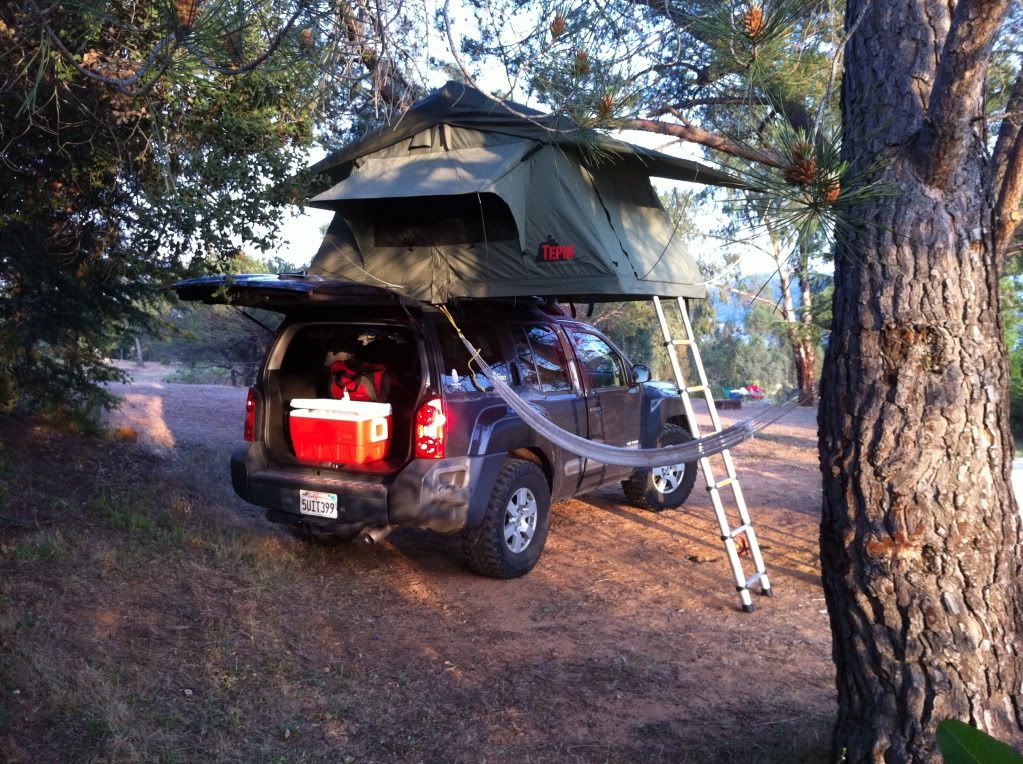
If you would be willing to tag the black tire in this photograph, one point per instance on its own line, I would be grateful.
(490, 549)
(645, 488)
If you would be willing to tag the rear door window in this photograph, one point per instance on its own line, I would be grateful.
(460, 372)
(541, 359)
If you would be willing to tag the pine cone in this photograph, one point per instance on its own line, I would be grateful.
(188, 12)
(582, 65)
(606, 106)
(234, 44)
(558, 26)
(832, 190)
(802, 170)
(305, 39)
(753, 22)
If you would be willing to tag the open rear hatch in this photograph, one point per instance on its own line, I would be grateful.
(285, 292)
(341, 341)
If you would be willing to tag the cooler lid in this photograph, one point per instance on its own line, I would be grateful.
(362, 408)
(283, 292)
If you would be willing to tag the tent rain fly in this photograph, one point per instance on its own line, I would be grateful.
(468, 198)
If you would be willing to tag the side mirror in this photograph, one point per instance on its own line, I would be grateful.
(641, 373)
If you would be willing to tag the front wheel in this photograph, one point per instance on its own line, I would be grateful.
(508, 542)
(667, 487)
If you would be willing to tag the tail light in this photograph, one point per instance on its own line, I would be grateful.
(430, 426)
(250, 415)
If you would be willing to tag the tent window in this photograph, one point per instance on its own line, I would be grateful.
(423, 140)
(425, 221)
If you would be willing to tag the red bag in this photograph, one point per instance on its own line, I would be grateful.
(362, 381)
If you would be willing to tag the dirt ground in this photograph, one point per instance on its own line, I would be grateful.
(162, 619)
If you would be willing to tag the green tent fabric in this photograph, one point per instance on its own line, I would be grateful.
(465, 197)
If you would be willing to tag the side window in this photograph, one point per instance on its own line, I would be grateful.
(461, 373)
(542, 360)
(600, 363)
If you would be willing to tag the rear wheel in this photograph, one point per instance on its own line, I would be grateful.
(667, 487)
(508, 542)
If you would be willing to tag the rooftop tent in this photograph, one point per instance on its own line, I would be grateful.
(466, 197)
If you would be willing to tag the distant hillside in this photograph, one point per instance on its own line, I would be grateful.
(732, 308)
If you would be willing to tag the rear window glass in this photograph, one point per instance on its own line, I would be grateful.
(442, 220)
(389, 352)
(542, 360)
(461, 373)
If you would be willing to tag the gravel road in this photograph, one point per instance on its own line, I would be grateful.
(168, 415)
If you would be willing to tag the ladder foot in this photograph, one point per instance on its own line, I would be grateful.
(769, 592)
(748, 608)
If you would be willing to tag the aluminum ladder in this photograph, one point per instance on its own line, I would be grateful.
(729, 534)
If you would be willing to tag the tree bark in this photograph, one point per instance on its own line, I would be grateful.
(804, 355)
(920, 534)
(799, 324)
(806, 350)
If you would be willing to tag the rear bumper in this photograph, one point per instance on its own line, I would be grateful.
(440, 494)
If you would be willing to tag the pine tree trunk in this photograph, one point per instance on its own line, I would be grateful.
(920, 535)
(807, 350)
(800, 326)
(804, 353)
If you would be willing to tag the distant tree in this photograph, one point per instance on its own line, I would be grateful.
(753, 224)
(735, 358)
(1011, 288)
(216, 342)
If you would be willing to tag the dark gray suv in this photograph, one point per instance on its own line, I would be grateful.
(458, 460)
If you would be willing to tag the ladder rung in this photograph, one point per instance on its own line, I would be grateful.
(736, 532)
(722, 483)
(734, 545)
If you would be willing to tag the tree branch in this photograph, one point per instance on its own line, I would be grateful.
(390, 84)
(1008, 169)
(706, 138)
(738, 100)
(957, 96)
(836, 59)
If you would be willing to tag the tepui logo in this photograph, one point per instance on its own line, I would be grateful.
(552, 252)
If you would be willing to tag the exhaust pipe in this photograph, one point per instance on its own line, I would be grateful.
(373, 536)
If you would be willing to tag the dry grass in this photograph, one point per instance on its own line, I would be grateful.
(148, 615)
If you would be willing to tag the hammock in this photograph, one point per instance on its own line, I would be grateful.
(640, 458)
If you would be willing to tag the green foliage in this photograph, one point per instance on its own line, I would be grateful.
(218, 344)
(194, 374)
(733, 358)
(44, 546)
(961, 743)
(133, 151)
(633, 327)
(1012, 314)
(139, 513)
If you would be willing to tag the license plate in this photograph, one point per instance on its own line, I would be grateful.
(317, 504)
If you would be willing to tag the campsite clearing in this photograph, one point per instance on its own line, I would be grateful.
(147, 613)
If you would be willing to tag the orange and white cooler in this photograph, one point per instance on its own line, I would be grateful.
(342, 431)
